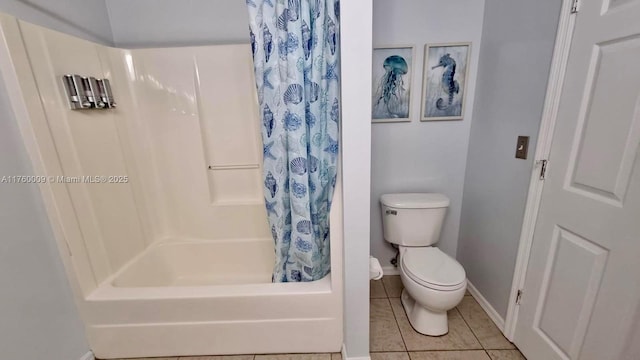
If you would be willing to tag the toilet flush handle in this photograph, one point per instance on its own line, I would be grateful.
(391, 212)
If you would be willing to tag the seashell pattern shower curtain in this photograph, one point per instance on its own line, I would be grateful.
(296, 57)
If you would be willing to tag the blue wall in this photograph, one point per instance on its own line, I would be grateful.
(38, 317)
(87, 19)
(163, 23)
(517, 44)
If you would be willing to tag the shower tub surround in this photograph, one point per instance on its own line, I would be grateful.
(177, 261)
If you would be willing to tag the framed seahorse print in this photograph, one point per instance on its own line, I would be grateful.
(444, 80)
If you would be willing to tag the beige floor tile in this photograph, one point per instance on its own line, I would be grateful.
(390, 355)
(484, 329)
(218, 357)
(393, 285)
(450, 355)
(459, 337)
(153, 358)
(326, 356)
(506, 355)
(336, 356)
(384, 333)
(376, 290)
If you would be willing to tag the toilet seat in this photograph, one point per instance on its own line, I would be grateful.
(432, 268)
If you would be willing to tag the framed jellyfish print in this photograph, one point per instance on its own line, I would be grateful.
(391, 88)
(444, 80)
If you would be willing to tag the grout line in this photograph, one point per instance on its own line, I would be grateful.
(404, 342)
(471, 328)
(489, 321)
(384, 288)
(449, 350)
(445, 350)
(395, 319)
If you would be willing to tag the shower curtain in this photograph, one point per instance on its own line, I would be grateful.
(296, 59)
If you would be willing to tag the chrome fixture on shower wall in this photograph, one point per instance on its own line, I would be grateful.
(84, 93)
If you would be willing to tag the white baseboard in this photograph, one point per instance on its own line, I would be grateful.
(88, 356)
(493, 314)
(344, 355)
(390, 270)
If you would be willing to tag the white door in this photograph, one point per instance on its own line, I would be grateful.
(582, 289)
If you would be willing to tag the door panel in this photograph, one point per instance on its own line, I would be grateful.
(602, 168)
(582, 287)
(574, 269)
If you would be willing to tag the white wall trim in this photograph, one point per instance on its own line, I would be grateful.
(355, 45)
(343, 352)
(486, 306)
(543, 147)
(87, 356)
(390, 270)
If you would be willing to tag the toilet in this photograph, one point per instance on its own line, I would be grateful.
(433, 281)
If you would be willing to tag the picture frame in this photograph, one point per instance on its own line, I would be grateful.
(445, 74)
(393, 68)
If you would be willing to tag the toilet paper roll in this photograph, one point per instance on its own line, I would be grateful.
(375, 269)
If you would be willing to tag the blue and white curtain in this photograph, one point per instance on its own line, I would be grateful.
(296, 56)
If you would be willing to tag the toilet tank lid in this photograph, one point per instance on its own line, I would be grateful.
(415, 200)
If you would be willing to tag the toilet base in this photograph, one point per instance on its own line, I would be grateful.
(423, 320)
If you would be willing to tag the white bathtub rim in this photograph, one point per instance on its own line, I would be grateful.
(108, 292)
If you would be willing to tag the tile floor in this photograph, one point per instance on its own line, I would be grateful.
(472, 335)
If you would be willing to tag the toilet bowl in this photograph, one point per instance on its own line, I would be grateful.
(430, 291)
(434, 282)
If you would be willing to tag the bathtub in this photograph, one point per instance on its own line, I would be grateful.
(186, 297)
(175, 262)
(201, 297)
(143, 287)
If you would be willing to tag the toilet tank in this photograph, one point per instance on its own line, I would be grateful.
(413, 219)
